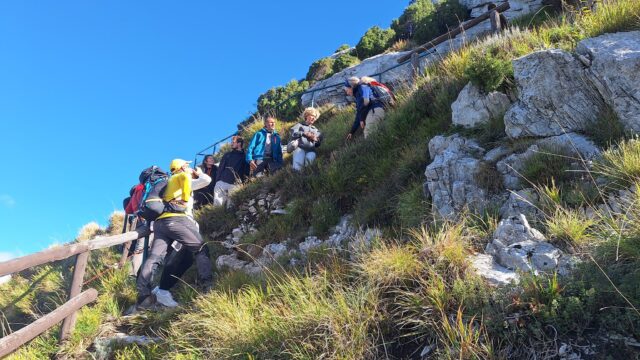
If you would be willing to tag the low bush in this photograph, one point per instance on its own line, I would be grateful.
(375, 41)
(488, 71)
(344, 61)
(320, 70)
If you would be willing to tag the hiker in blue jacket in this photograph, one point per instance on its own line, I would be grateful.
(369, 111)
(265, 150)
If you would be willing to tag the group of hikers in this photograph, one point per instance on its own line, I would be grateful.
(165, 202)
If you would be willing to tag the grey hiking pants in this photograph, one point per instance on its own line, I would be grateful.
(185, 231)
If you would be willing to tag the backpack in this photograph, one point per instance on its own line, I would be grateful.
(382, 94)
(154, 182)
(132, 203)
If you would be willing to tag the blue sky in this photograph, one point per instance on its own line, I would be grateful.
(91, 92)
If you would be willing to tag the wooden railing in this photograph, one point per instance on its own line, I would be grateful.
(77, 299)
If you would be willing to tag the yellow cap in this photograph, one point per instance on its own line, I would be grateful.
(177, 164)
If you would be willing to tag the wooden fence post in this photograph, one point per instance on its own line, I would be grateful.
(75, 289)
(415, 66)
(496, 26)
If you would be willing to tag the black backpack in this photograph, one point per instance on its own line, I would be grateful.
(151, 204)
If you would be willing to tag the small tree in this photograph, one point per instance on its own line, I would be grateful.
(290, 106)
(320, 69)
(375, 41)
(344, 61)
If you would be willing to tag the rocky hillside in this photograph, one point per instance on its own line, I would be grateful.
(493, 216)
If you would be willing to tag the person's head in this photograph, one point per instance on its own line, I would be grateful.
(349, 84)
(310, 115)
(237, 143)
(270, 123)
(366, 80)
(208, 161)
(179, 165)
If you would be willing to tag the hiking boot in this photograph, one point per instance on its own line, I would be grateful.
(164, 298)
(147, 303)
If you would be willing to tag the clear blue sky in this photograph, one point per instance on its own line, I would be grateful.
(91, 92)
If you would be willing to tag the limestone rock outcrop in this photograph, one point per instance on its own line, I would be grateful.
(615, 71)
(554, 96)
(451, 176)
(473, 107)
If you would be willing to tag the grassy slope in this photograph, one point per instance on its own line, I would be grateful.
(414, 287)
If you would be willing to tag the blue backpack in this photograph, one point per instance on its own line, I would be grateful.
(151, 204)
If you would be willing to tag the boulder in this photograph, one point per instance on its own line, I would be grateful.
(615, 71)
(518, 246)
(520, 202)
(230, 262)
(485, 266)
(451, 176)
(310, 243)
(473, 107)
(554, 96)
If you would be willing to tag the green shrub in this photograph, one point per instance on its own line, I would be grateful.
(375, 41)
(607, 130)
(621, 164)
(414, 20)
(324, 215)
(320, 70)
(547, 164)
(488, 71)
(344, 61)
(412, 208)
(342, 48)
(290, 106)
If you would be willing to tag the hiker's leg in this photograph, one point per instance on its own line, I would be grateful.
(156, 257)
(274, 167)
(298, 159)
(310, 157)
(175, 267)
(260, 168)
(373, 120)
(191, 239)
(219, 194)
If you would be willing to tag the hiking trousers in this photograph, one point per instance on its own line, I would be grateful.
(185, 231)
(373, 121)
(302, 158)
(221, 192)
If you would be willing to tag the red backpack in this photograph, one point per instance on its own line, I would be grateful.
(134, 201)
(383, 94)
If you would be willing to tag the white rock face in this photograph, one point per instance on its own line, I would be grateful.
(496, 274)
(615, 71)
(554, 96)
(473, 107)
(518, 246)
(451, 176)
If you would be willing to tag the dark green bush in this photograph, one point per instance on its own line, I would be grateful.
(415, 16)
(320, 70)
(290, 107)
(344, 61)
(488, 71)
(375, 41)
(547, 164)
(324, 215)
(342, 48)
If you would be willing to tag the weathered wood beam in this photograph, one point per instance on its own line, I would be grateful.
(10, 343)
(65, 251)
(442, 38)
(74, 290)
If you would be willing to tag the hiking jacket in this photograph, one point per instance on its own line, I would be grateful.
(233, 167)
(361, 92)
(257, 145)
(305, 144)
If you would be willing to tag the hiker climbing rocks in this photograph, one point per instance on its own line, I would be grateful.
(204, 196)
(233, 170)
(369, 110)
(174, 227)
(265, 149)
(305, 138)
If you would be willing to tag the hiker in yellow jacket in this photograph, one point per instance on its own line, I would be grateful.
(176, 229)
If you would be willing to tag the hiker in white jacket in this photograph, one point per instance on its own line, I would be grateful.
(305, 138)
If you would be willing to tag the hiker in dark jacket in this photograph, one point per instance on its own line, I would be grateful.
(265, 149)
(369, 111)
(204, 196)
(305, 138)
(233, 169)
